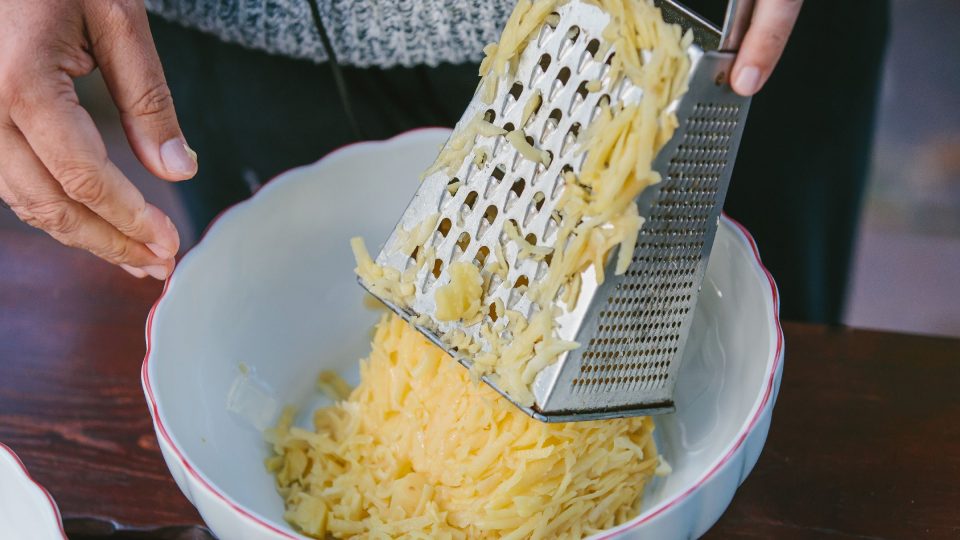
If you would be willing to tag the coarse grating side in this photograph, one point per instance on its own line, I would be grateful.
(640, 320)
(632, 328)
(508, 187)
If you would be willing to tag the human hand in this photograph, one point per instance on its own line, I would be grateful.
(54, 169)
(763, 43)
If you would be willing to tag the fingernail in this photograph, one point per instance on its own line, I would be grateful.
(135, 272)
(177, 157)
(160, 251)
(156, 271)
(748, 81)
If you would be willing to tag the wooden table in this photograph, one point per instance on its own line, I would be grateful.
(865, 441)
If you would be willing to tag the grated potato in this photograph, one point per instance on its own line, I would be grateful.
(417, 451)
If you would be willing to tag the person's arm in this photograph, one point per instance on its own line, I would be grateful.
(763, 44)
(54, 169)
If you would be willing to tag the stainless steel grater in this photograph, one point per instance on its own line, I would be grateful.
(632, 328)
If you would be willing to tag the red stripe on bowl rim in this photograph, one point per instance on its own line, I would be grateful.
(32, 480)
(262, 522)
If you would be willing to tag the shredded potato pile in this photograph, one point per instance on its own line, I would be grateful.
(417, 451)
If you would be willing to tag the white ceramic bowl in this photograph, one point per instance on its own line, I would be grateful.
(268, 299)
(27, 511)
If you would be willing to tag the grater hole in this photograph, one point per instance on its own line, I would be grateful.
(437, 268)
(530, 214)
(489, 115)
(518, 187)
(492, 185)
(544, 62)
(453, 186)
(593, 46)
(464, 241)
(490, 214)
(481, 256)
(516, 90)
(558, 186)
(563, 76)
(582, 90)
(513, 196)
(492, 310)
(522, 281)
(585, 59)
(573, 33)
(536, 109)
(471, 199)
(556, 116)
(531, 239)
(499, 172)
(554, 223)
(538, 199)
(444, 227)
(570, 139)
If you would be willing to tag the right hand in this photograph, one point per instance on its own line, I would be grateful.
(54, 169)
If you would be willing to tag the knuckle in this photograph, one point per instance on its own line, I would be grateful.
(117, 250)
(775, 36)
(134, 223)
(27, 98)
(153, 101)
(81, 180)
(24, 215)
(52, 216)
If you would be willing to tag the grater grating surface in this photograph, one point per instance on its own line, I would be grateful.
(632, 328)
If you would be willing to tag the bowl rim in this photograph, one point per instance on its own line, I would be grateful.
(759, 407)
(31, 483)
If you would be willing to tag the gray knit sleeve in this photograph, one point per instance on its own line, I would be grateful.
(363, 32)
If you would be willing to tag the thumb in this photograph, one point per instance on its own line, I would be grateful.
(121, 42)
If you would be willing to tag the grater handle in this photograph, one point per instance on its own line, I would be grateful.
(739, 13)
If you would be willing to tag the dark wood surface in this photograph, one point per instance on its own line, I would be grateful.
(865, 441)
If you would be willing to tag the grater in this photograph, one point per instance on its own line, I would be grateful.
(632, 328)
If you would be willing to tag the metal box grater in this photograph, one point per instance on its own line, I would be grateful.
(632, 328)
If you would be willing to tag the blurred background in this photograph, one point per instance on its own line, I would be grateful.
(906, 270)
(907, 264)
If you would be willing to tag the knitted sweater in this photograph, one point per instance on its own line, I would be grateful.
(363, 32)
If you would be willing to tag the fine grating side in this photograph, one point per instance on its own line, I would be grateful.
(639, 331)
(632, 328)
(634, 334)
